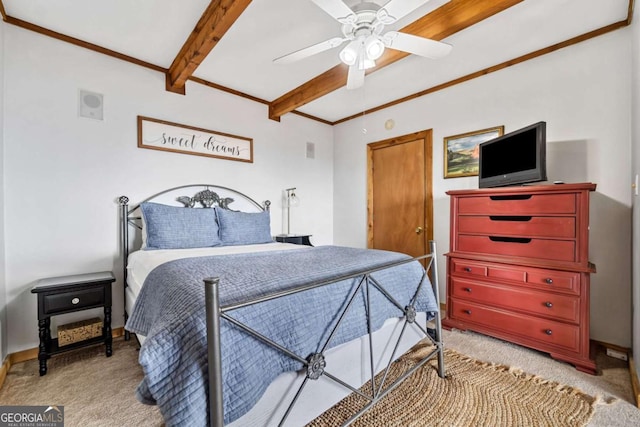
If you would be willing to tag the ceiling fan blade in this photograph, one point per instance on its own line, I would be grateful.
(397, 9)
(355, 78)
(308, 51)
(338, 10)
(416, 45)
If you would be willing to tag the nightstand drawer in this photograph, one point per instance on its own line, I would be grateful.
(74, 300)
(296, 239)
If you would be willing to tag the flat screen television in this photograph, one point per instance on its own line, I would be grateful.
(515, 158)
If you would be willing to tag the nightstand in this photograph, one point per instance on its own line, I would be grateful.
(67, 294)
(298, 239)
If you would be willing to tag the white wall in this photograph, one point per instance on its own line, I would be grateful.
(583, 93)
(63, 173)
(635, 131)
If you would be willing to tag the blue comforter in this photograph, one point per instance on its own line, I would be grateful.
(170, 312)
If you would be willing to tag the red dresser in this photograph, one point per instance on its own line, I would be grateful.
(518, 267)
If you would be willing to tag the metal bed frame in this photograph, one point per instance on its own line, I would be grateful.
(205, 198)
(314, 364)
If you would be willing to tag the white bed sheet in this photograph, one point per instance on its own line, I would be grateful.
(319, 395)
(142, 262)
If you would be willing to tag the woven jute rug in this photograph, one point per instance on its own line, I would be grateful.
(474, 393)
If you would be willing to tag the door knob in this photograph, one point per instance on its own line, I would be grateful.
(418, 230)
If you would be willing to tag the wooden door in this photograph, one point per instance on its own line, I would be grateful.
(400, 208)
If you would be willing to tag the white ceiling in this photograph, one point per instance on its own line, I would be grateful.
(155, 30)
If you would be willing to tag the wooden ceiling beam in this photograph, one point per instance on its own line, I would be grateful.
(213, 24)
(443, 22)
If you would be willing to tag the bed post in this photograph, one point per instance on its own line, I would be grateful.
(124, 230)
(216, 408)
(438, 318)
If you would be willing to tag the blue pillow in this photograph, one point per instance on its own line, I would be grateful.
(171, 227)
(243, 228)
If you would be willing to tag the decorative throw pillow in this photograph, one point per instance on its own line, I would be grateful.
(172, 227)
(244, 228)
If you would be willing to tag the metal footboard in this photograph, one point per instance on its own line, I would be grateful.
(315, 363)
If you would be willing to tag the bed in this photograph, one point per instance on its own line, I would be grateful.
(285, 331)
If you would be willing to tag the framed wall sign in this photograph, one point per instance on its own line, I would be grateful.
(461, 151)
(166, 136)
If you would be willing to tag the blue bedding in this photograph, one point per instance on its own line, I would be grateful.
(170, 312)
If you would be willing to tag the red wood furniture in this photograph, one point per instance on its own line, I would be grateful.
(518, 267)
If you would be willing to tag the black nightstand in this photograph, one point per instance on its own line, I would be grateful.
(67, 294)
(298, 239)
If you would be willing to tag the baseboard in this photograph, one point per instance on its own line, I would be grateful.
(4, 369)
(635, 381)
(23, 356)
(32, 353)
(617, 348)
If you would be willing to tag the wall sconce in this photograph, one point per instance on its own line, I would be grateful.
(291, 201)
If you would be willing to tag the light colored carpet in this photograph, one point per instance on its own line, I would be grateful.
(95, 390)
(99, 391)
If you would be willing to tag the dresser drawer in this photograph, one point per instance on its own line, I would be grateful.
(539, 278)
(558, 250)
(73, 300)
(518, 225)
(553, 306)
(518, 204)
(468, 268)
(554, 280)
(544, 331)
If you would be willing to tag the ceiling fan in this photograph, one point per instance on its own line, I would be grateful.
(362, 27)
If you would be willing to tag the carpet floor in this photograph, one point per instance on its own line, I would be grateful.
(99, 391)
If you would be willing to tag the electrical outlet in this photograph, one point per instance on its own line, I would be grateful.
(617, 354)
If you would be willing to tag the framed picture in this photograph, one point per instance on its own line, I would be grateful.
(461, 151)
(166, 136)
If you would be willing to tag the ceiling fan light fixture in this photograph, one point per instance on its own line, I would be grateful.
(362, 29)
(349, 55)
(373, 47)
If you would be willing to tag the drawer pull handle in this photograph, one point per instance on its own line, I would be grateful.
(548, 331)
(548, 281)
(466, 311)
(75, 301)
(548, 304)
(510, 239)
(512, 197)
(467, 269)
(510, 218)
(467, 289)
